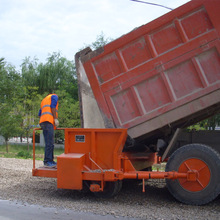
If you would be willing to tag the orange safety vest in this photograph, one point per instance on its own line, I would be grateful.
(46, 112)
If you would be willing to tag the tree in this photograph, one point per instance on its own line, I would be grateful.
(207, 124)
(9, 123)
(28, 108)
(68, 110)
(29, 72)
(57, 73)
(211, 123)
(2, 62)
(101, 40)
(10, 85)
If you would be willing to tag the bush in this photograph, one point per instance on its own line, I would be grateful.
(23, 154)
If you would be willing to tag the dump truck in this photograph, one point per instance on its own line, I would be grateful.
(136, 93)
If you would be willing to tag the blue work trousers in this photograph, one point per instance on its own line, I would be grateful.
(48, 132)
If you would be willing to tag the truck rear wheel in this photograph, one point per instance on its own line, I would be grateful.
(206, 162)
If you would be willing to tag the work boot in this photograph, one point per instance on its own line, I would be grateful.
(50, 164)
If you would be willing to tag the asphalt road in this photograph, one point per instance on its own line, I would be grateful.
(16, 211)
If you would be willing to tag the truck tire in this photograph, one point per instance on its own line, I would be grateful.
(110, 189)
(206, 162)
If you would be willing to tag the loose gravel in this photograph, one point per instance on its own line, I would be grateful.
(18, 184)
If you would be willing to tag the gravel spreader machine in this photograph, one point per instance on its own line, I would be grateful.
(136, 94)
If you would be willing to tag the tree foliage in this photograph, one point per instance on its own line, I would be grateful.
(101, 40)
(57, 73)
(22, 93)
(207, 124)
(10, 86)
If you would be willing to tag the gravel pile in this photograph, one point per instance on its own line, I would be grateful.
(17, 184)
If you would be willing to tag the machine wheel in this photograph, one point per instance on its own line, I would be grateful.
(110, 189)
(206, 162)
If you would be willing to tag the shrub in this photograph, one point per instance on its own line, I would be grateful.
(23, 154)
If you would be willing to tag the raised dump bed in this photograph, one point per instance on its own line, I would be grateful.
(160, 76)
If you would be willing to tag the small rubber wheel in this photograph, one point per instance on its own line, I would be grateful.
(110, 189)
(203, 160)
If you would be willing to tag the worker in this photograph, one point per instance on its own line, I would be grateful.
(48, 114)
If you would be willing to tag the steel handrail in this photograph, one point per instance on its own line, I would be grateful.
(37, 129)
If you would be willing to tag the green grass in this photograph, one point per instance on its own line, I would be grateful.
(21, 151)
(159, 167)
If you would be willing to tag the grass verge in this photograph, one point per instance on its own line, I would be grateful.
(21, 151)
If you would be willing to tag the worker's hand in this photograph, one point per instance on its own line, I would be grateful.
(56, 122)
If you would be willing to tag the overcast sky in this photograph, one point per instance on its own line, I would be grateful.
(37, 28)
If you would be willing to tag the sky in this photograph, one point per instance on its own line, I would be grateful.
(37, 28)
